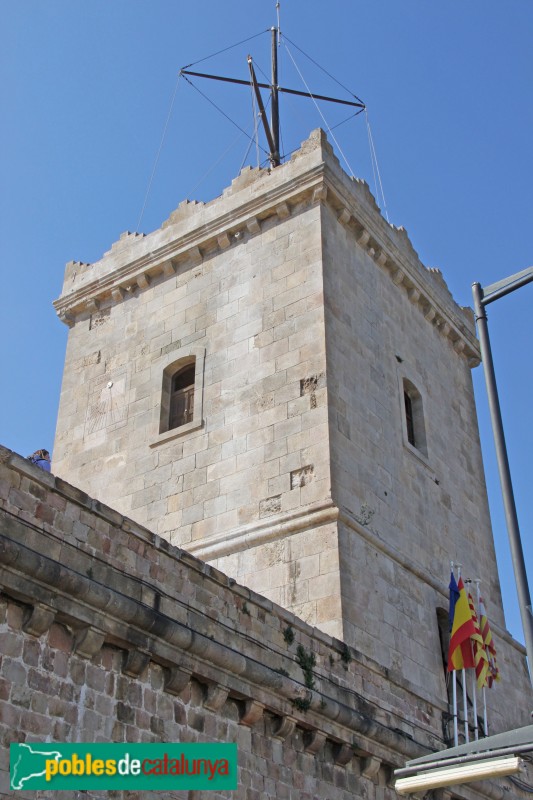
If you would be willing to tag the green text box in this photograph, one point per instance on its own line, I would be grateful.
(119, 766)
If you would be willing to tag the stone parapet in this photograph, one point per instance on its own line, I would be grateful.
(255, 199)
(91, 599)
(110, 633)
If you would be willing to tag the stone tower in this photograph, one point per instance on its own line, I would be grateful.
(274, 382)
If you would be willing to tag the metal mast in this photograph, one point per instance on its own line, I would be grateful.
(274, 121)
(274, 153)
(272, 130)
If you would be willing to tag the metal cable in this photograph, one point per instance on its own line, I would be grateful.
(525, 787)
(333, 78)
(220, 111)
(320, 112)
(374, 158)
(225, 49)
(158, 155)
(217, 162)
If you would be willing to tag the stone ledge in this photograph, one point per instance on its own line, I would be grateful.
(113, 611)
(60, 487)
(265, 530)
(125, 621)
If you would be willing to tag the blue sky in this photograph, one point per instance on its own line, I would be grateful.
(85, 91)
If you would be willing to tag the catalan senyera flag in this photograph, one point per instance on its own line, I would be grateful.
(494, 672)
(481, 659)
(460, 655)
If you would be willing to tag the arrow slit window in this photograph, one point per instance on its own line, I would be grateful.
(415, 429)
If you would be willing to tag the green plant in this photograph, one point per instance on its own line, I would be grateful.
(301, 705)
(288, 635)
(345, 655)
(306, 661)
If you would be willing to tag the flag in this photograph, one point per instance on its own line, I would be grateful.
(486, 633)
(460, 654)
(478, 646)
(454, 597)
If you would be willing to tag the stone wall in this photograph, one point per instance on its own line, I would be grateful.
(308, 314)
(236, 283)
(295, 297)
(108, 633)
(406, 510)
(428, 500)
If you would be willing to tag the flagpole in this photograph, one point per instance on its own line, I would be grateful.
(476, 730)
(465, 707)
(474, 687)
(484, 690)
(455, 723)
(454, 696)
(465, 701)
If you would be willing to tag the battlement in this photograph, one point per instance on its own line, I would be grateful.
(255, 199)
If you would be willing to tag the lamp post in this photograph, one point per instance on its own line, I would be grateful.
(482, 297)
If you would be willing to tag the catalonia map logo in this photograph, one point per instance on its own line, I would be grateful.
(152, 767)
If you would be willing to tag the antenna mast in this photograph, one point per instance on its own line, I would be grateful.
(274, 149)
(272, 129)
(274, 122)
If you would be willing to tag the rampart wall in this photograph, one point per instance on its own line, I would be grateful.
(109, 633)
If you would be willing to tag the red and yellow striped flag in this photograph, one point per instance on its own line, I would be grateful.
(460, 654)
(478, 645)
(494, 672)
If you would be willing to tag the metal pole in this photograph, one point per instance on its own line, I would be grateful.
(262, 113)
(513, 530)
(274, 122)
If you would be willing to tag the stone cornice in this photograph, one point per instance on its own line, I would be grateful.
(312, 176)
(206, 238)
(262, 531)
(392, 251)
(104, 605)
(323, 512)
(328, 509)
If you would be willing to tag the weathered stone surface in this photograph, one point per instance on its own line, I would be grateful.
(110, 668)
(39, 619)
(299, 401)
(296, 476)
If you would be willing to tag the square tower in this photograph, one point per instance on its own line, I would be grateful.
(274, 382)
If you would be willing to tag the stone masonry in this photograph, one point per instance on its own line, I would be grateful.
(309, 318)
(109, 633)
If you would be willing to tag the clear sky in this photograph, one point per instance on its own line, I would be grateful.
(85, 91)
